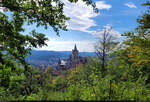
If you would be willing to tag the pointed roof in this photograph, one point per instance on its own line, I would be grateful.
(63, 62)
(75, 47)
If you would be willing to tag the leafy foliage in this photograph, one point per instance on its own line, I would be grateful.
(15, 72)
(126, 78)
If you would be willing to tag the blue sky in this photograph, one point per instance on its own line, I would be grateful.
(84, 26)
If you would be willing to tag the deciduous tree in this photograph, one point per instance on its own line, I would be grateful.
(105, 45)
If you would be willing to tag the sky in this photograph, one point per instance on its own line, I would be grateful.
(84, 27)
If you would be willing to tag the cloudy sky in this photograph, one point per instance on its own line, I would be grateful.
(84, 25)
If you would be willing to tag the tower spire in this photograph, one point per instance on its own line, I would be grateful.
(75, 56)
(75, 47)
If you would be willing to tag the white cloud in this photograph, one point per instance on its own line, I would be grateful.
(81, 15)
(58, 44)
(111, 31)
(101, 5)
(82, 46)
(130, 5)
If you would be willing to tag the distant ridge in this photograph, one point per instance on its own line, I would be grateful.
(44, 57)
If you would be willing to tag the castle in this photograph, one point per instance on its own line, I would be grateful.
(72, 62)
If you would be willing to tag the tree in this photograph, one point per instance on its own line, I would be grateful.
(144, 19)
(14, 46)
(105, 45)
(137, 45)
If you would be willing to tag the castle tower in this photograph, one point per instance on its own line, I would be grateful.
(75, 55)
(59, 62)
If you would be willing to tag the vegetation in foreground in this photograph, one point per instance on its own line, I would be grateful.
(124, 76)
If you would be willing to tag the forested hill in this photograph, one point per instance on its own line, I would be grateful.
(51, 57)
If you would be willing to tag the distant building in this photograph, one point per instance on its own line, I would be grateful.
(72, 62)
(62, 64)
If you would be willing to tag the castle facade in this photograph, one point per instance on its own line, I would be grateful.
(73, 61)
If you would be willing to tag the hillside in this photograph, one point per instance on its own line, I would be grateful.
(51, 57)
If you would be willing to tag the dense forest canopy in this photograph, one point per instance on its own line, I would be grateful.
(125, 75)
